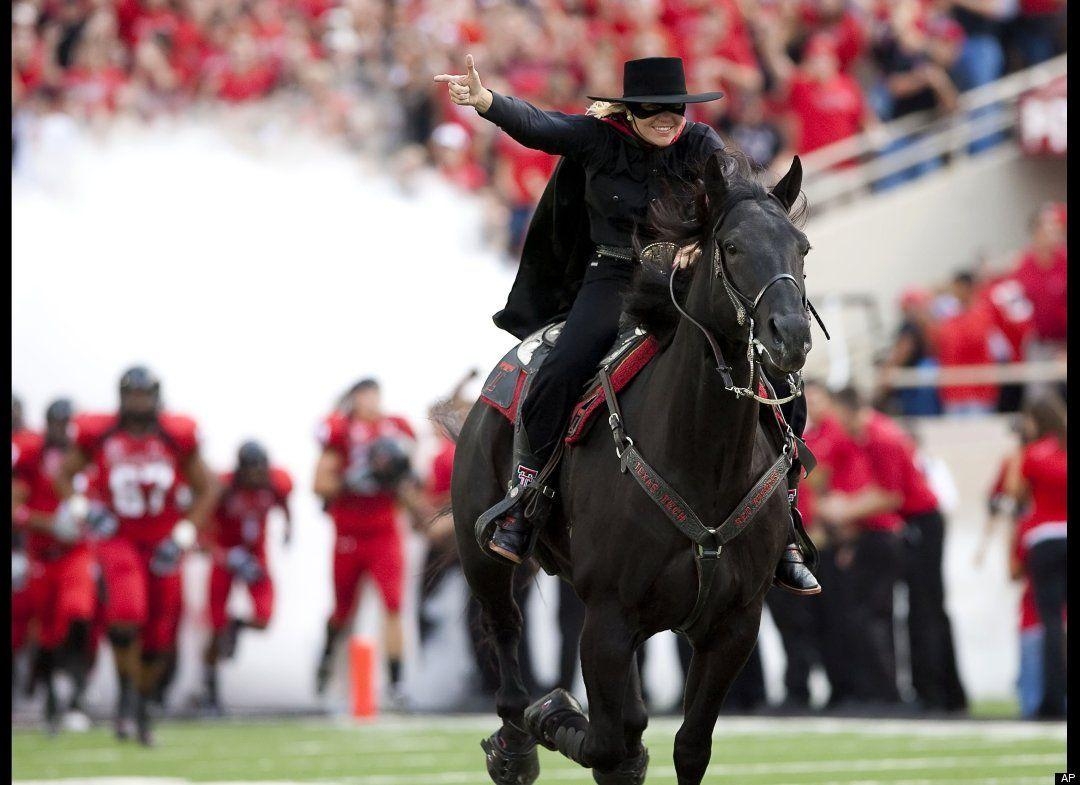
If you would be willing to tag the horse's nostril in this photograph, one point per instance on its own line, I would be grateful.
(774, 328)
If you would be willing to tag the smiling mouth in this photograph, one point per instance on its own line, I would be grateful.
(663, 129)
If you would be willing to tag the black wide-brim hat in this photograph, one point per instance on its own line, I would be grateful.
(656, 80)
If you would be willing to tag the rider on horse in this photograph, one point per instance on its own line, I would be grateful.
(621, 156)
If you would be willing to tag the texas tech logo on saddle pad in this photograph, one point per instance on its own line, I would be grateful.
(525, 476)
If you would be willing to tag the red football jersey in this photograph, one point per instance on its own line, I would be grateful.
(139, 476)
(352, 440)
(36, 464)
(240, 516)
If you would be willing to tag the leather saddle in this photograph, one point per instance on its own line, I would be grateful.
(508, 383)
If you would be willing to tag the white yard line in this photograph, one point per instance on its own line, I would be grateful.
(858, 768)
(739, 725)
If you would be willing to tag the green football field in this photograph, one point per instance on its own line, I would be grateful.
(445, 750)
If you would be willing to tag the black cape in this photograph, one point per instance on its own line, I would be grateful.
(553, 259)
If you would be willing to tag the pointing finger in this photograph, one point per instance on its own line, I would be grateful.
(454, 78)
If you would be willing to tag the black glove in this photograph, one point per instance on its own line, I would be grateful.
(242, 563)
(166, 558)
(389, 463)
(358, 479)
(101, 522)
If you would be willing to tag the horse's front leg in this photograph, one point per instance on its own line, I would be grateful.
(596, 742)
(631, 770)
(713, 668)
(511, 750)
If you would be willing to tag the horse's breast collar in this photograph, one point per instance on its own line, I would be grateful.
(709, 541)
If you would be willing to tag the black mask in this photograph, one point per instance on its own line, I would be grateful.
(645, 111)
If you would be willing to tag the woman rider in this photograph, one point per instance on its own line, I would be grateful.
(633, 149)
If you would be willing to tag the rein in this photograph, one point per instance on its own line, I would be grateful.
(744, 314)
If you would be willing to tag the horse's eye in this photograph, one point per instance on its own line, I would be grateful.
(730, 249)
(806, 249)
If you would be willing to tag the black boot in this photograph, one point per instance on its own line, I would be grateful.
(144, 728)
(792, 574)
(326, 661)
(514, 522)
(124, 722)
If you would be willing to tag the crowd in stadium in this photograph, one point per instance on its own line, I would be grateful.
(798, 74)
(984, 316)
(105, 506)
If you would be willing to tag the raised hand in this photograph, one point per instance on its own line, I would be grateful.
(686, 256)
(465, 89)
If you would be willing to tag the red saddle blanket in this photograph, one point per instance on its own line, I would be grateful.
(504, 388)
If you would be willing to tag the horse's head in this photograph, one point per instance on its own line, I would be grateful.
(753, 256)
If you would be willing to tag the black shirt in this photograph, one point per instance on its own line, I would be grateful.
(892, 59)
(623, 174)
(761, 142)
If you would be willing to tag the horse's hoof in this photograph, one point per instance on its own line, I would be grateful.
(508, 766)
(558, 723)
(630, 772)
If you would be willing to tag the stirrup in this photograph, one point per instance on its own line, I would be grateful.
(534, 498)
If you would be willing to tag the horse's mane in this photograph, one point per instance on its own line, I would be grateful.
(686, 214)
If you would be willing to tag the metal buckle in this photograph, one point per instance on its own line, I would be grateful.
(709, 553)
(627, 443)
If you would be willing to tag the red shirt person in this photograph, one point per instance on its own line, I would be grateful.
(238, 551)
(1043, 272)
(143, 459)
(964, 339)
(826, 104)
(1044, 467)
(860, 516)
(893, 455)
(362, 473)
(1041, 475)
(848, 484)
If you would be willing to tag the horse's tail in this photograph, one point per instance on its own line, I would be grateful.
(446, 416)
(446, 556)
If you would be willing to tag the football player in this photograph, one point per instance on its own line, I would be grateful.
(21, 601)
(62, 562)
(143, 457)
(363, 473)
(238, 550)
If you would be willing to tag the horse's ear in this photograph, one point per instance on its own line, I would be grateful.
(715, 184)
(787, 190)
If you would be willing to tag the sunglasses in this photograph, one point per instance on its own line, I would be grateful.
(645, 111)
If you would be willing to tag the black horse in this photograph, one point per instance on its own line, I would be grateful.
(635, 572)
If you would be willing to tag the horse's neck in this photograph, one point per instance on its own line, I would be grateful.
(711, 433)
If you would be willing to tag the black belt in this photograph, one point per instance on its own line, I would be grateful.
(616, 252)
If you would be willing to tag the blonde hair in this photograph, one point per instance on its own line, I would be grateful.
(607, 109)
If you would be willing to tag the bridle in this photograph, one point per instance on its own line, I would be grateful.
(745, 308)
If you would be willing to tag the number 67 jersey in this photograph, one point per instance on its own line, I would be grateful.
(138, 475)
